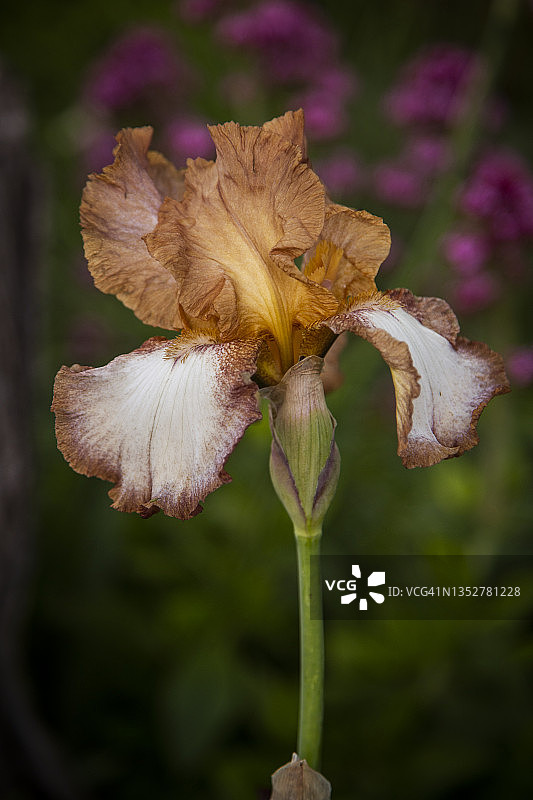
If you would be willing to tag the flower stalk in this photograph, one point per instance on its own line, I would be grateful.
(311, 709)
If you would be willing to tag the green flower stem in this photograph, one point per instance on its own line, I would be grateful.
(311, 648)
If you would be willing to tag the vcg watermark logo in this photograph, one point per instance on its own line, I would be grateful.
(350, 590)
(423, 587)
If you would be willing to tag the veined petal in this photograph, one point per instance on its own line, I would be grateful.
(118, 208)
(442, 381)
(361, 242)
(159, 422)
(290, 126)
(231, 241)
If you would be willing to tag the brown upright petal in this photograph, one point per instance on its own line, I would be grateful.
(364, 242)
(231, 241)
(290, 126)
(168, 180)
(118, 208)
(159, 422)
(442, 381)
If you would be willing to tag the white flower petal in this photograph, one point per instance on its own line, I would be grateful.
(159, 427)
(442, 381)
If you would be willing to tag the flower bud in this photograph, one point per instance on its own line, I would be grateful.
(304, 459)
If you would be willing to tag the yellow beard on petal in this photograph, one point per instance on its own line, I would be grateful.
(187, 339)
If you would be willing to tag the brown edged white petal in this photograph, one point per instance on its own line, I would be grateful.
(442, 381)
(118, 208)
(350, 250)
(231, 241)
(159, 422)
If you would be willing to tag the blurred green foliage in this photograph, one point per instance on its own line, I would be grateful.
(163, 654)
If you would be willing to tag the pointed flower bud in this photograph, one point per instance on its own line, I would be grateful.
(304, 459)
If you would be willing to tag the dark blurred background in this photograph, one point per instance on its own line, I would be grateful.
(158, 658)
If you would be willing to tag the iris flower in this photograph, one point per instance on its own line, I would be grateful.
(209, 252)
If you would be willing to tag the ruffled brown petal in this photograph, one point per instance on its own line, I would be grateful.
(159, 422)
(290, 126)
(442, 381)
(363, 243)
(168, 180)
(231, 241)
(118, 208)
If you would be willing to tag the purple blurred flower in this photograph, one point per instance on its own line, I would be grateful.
(467, 251)
(141, 59)
(476, 292)
(431, 89)
(325, 116)
(500, 192)
(428, 155)
(324, 102)
(292, 41)
(520, 366)
(340, 172)
(406, 180)
(396, 183)
(296, 47)
(189, 138)
(337, 81)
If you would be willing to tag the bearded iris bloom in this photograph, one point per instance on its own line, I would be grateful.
(209, 252)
